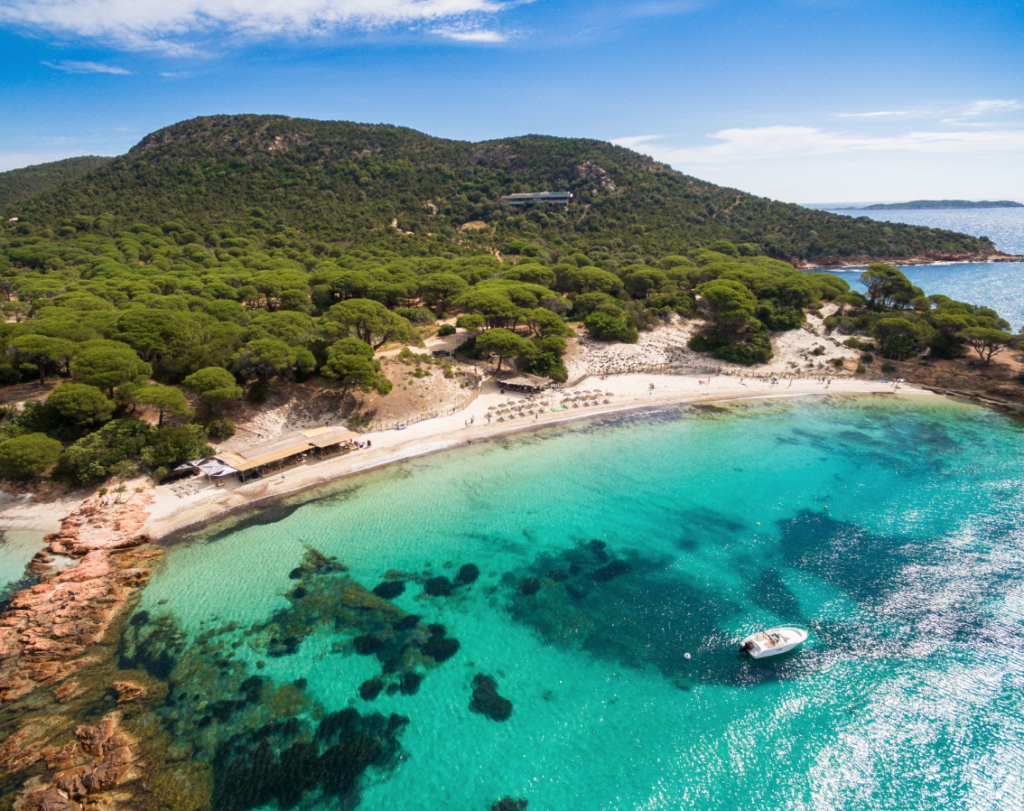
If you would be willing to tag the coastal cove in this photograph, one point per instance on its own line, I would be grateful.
(580, 564)
(990, 284)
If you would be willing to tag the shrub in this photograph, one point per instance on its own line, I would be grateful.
(446, 329)
(417, 315)
(867, 357)
(818, 350)
(839, 363)
(91, 458)
(603, 325)
(861, 368)
(888, 368)
(256, 392)
(220, 428)
(28, 455)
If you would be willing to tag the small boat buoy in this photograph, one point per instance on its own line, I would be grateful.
(686, 656)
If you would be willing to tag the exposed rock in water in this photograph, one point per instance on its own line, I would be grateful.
(486, 700)
(128, 691)
(389, 589)
(439, 587)
(467, 574)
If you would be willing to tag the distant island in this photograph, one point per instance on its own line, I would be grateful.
(925, 204)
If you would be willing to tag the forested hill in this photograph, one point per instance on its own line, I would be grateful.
(19, 183)
(357, 183)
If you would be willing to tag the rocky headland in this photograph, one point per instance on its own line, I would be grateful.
(56, 665)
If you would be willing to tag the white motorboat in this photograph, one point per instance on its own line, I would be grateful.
(773, 641)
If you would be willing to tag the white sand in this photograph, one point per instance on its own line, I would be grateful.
(169, 512)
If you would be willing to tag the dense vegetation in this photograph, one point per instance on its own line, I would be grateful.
(21, 183)
(159, 275)
(344, 182)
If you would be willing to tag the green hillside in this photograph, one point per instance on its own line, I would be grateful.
(340, 181)
(20, 183)
(260, 252)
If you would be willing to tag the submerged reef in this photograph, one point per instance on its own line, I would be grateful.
(634, 609)
(486, 700)
(272, 742)
(281, 761)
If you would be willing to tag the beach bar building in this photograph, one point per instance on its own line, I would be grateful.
(555, 198)
(525, 383)
(287, 451)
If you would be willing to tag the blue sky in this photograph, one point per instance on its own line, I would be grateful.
(801, 100)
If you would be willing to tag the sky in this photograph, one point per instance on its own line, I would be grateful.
(807, 101)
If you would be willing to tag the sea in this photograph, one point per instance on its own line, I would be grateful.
(999, 285)
(553, 619)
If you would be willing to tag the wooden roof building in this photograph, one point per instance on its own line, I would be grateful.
(286, 447)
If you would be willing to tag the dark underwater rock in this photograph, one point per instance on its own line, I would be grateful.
(558, 575)
(370, 688)
(408, 622)
(283, 646)
(298, 593)
(367, 644)
(508, 804)
(598, 548)
(295, 573)
(486, 700)
(613, 569)
(251, 689)
(440, 649)
(389, 589)
(439, 587)
(410, 684)
(437, 629)
(531, 585)
(467, 574)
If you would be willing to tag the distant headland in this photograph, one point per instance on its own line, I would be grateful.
(926, 204)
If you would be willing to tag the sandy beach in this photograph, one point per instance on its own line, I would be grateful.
(171, 512)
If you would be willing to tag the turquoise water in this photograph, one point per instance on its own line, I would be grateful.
(17, 548)
(999, 285)
(991, 284)
(618, 563)
(1004, 226)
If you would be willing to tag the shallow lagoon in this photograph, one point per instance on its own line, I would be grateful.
(891, 529)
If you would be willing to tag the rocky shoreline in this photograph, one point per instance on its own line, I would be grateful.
(64, 706)
(907, 261)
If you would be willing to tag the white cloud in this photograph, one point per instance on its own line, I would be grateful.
(759, 143)
(809, 163)
(171, 25)
(87, 67)
(878, 114)
(473, 35)
(993, 106)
